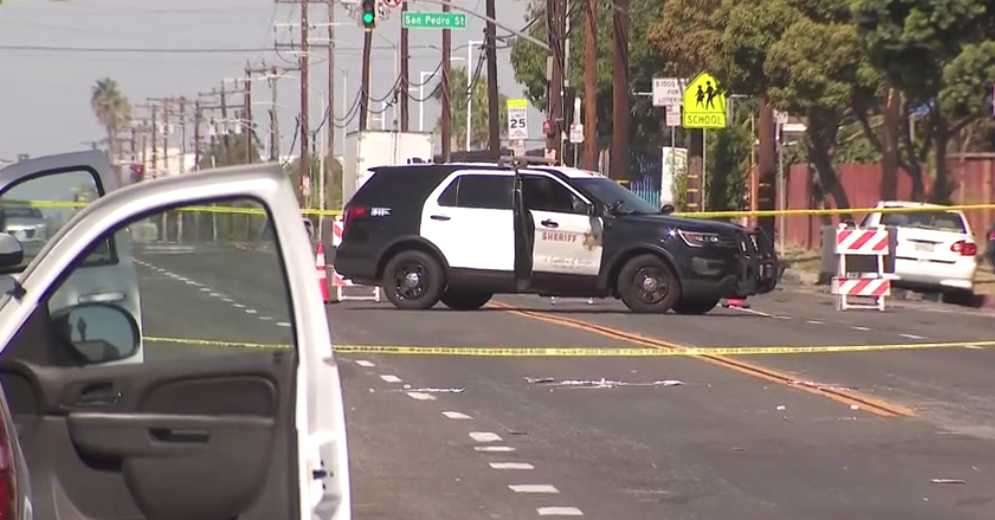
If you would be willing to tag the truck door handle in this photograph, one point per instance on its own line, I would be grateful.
(443, 218)
(99, 395)
(550, 223)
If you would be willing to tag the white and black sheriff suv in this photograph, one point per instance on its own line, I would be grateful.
(461, 233)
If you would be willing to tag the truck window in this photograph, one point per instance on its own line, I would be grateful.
(33, 210)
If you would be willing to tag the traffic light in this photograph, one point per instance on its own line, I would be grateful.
(369, 14)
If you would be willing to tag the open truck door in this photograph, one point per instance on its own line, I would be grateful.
(254, 432)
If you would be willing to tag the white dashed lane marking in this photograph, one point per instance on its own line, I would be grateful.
(511, 465)
(364, 363)
(502, 449)
(911, 336)
(533, 488)
(456, 415)
(211, 292)
(421, 396)
(862, 329)
(485, 437)
(390, 378)
(559, 511)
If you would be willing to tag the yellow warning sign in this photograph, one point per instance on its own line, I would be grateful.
(704, 103)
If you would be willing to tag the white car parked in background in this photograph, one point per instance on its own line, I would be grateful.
(935, 250)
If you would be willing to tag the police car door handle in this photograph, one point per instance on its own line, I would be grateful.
(550, 223)
(440, 217)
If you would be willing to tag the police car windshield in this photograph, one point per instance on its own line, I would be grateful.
(609, 192)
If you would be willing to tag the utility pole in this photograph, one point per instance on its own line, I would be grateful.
(198, 116)
(590, 86)
(165, 135)
(493, 119)
(304, 128)
(152, 140)
(555, 21)
(405, 76)
(447, 130)
(183, 135)
(364, 82)
(620, 91)
(330, 96)
(249, 122)
(305, 160)
(274, 122)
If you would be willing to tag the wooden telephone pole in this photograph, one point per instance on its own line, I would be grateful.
(304, 132)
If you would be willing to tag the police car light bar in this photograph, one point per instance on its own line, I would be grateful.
(517, 161)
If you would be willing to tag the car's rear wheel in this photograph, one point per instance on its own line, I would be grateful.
(413, 280)
(460, 301)
(695, 306)
(647, 285)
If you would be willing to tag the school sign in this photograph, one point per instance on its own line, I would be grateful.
(704, 103)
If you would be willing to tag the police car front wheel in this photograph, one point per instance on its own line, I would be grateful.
(413, 280)
(648, 285)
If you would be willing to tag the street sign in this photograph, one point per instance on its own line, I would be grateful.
(673, 115)
(433, 20)
(704, 103)
(576, 133)
(667, 91)
(518, 119)
(780, 118)
(392, 3)
(517, 147)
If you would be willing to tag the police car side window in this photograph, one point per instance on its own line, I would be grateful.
(478, 192)
(545, 194)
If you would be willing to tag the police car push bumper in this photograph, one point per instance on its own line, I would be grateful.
(710, 271)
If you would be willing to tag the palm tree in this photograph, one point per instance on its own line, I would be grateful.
(479, 125)
(112, 108)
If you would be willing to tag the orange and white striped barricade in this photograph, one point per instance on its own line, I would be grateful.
(874, 285)
(339, 284)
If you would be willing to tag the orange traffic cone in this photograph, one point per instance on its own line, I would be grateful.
(319, 265)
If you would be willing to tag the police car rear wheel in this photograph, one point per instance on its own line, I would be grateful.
(647, 285)
(413, 280)
(695, 306)
(465, 301)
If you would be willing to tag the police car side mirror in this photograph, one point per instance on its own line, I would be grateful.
(667, 209)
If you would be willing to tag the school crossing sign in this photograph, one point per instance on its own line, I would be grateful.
(704, 103)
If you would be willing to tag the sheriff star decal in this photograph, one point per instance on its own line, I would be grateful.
(590, 240)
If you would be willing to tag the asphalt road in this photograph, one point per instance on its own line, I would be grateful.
(456, 438)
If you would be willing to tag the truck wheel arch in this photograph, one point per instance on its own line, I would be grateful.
(610, 279)
(406, 244)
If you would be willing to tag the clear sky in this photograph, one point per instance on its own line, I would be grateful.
(45, 95)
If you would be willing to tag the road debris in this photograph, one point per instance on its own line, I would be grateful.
(597, 383)
(456, 390)
(821, 386)
(948, 481)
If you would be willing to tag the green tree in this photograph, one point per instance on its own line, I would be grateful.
(803, 57)
(112, 109)
(479, 130)
(529, 63)
(937, 52)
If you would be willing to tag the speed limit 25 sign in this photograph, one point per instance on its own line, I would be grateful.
(518, 121)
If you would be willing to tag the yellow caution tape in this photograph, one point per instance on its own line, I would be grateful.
(472, 351)
(693, 214)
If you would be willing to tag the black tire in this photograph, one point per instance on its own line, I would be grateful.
(636, 292)
(429, 280)
(465, 301)
(687, 306)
